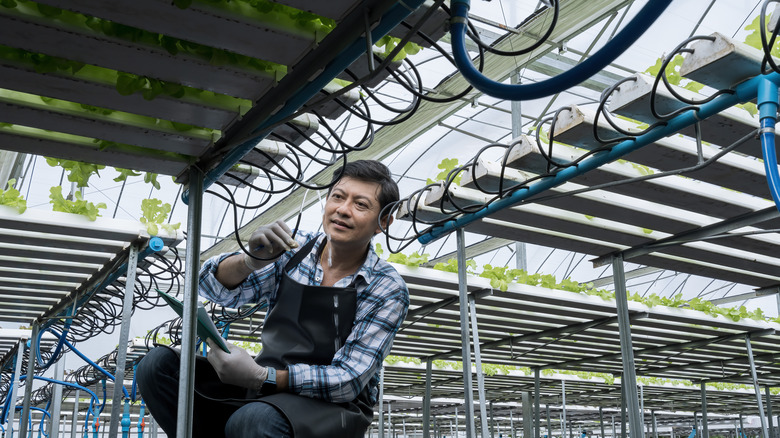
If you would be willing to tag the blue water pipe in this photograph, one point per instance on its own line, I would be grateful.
(347, 57)
(742, 93)
(767, 110)
(86, 359)
(155, 244)
(126, 420)
(7, 402)
(134, 386)
(105, 395)
(582, 71)
(692, 434)
(43, 418)
(92, 402)
(41, 427)
(141, 422)
(95, 428)
(60, 343)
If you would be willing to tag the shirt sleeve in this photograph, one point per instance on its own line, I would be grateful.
(365, 349)
(257, 287)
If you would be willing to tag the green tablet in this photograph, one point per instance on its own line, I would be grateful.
(206, 327)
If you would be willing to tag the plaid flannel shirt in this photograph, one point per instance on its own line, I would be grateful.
(382, 303)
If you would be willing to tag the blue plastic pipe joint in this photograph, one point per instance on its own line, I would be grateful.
(767, 100)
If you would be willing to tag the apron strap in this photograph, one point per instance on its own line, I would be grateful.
(298, 257)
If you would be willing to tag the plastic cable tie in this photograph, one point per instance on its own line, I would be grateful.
(696, 115)
(463, 20)
(766, 129)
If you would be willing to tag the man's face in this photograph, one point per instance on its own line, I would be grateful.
(351, 212)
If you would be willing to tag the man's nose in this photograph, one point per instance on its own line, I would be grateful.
(344, 208)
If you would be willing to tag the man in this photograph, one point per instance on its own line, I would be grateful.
(334, 309)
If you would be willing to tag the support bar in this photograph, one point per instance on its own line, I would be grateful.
(468, 395)
(184, 412)
(628, 378)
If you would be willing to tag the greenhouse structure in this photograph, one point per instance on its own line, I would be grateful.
(588, 222)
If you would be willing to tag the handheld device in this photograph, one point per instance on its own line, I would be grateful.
(205, 327)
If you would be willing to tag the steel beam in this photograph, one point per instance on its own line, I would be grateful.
(468, 395)
(184, 413)
(124, 338)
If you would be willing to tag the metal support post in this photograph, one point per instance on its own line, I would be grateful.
(468, 395)
(15, 386)
(628, 378)
(655, 424)
(614, 432)
(427, 399)
(74, 421)
(769, 419)
(381, 421)
(389, 420)
(704, 430)
(528, 416)
(188, 333)
(749, 349)
(511, 424)
(478, 364)
(153, 427)
(549, 424)
(601, 421)
(124, 338)
(563, 412)
(741, 426)
(642, 406)
(622, 409)
(537, 400)
(56, 398)
(456, 423)
(492, 423)
(28, 387)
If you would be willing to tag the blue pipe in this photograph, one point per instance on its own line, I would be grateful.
(594, 64)
(72, 385)
(41, 425)
(126, 420)
(4, 413)
(390, 20)
(141, 421)
(155, 244)
(58, 348)
(87, 360)
(743, 93)
(767, 110)
(95, 428)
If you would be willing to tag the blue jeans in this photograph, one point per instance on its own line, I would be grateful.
(157, 376)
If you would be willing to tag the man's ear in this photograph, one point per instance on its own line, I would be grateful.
(386, 221)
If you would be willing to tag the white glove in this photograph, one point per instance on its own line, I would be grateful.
(237, 368)
(269, 242)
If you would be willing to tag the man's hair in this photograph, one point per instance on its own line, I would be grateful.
(371, 171)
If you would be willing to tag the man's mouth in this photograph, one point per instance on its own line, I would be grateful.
(340, 223)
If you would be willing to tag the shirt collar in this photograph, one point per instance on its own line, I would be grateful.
(366, 271)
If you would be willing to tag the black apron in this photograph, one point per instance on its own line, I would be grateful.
(307, 325)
